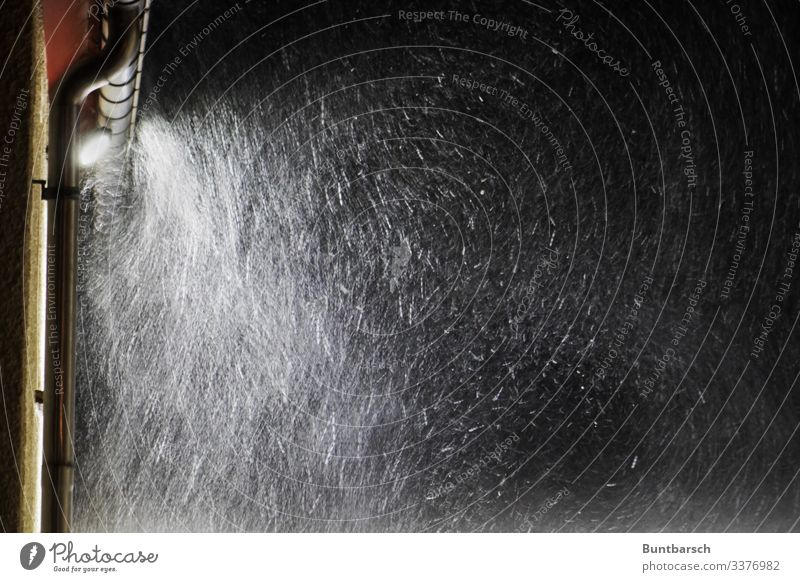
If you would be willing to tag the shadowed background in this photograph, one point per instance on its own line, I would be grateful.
(335, 288)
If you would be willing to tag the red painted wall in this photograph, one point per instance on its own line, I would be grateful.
(71, 32)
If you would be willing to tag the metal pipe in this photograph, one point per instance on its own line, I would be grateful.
(61, 242)
(117, 101)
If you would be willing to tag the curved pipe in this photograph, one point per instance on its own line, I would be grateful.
(119, 53)
(61, 243)
(117, 102)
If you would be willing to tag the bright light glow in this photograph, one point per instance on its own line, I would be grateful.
(94, 146)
